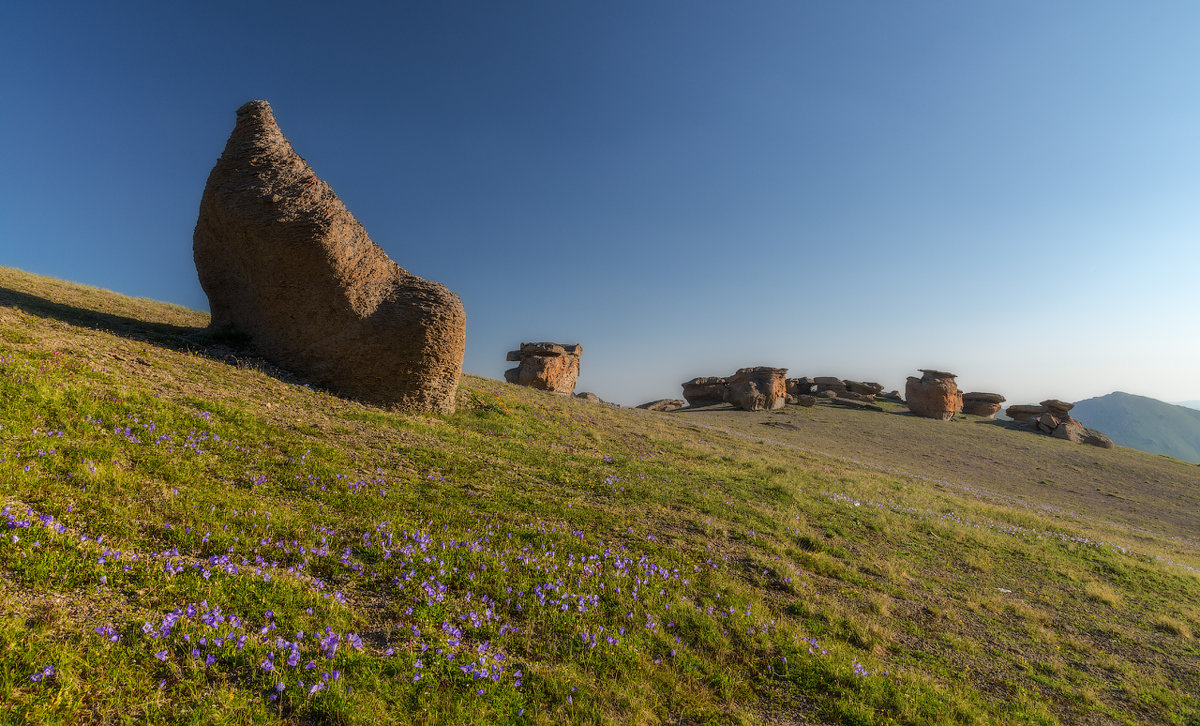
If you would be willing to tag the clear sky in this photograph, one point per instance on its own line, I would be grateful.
(1004, 190)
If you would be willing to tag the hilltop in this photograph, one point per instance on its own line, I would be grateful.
(193, 535)
(1145, 423)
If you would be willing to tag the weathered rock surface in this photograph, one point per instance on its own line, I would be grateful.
(1023, 412)
(829, 383)
(284, 262)
(546, 366)
(757, 389)
(589, 397)
(982, 404)
(1053, 418)
(664, 404)
(799, 386)
(705, 391)
(805, 400)
(891, 396)
(933, 395)
(864, 388)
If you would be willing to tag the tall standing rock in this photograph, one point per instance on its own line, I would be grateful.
(546, 367)
(283, 261)
(933, 395)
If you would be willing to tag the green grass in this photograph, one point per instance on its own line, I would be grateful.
(154, 486)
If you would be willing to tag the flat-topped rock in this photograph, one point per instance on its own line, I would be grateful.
(283, 262)
(549, 367)
(933, 395)
(1024, 412)
(982, 404)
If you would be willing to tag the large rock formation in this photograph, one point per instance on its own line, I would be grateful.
(799, 386)
(546, 367)
(705, 391)
(933, 395)
(982, 404)
(284, 262)
(757, 389)
(1053, 418)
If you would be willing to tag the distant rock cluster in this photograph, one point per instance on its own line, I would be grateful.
(751, 389)
(549, 367)
(1053, 418)
(284, 263)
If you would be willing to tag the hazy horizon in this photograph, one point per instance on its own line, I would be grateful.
(861, 190)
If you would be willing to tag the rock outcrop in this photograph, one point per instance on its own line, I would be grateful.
(589, 397)
(664, 404)
(829, 383)
(863, 388)
(285, 263)
(1053, 418)
(706, 391)
(1024, 413)
(933, 395)
(982, 404)
(545, 366)
(757, 389)
(799, 386)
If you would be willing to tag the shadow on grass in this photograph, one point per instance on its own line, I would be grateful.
(164, 334)
(224, 346)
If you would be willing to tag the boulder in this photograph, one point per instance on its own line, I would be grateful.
(864, 389)
(546, 366)
(284, 263)
(933, 395)
(757, 389)
(891, 396)
(1060, 409)
(1023, 412)
(826, 394)
(1046, 423)
(854, 396)
(1092, 437)
(982, 404)
(799, 386)
(805, 400)
(704, 391)
(589, 397)
(664, 404)
(829, 383)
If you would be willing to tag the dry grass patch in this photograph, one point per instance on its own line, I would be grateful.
(1173, 626)
(1102, 592)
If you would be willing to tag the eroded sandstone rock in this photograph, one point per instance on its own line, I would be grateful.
(546, 366)
(284, 262)
(757, 389)
(705, 391)
(933, 395)
(982, 404)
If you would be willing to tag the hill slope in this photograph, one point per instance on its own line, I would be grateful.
(193, 536)
(1144, 423)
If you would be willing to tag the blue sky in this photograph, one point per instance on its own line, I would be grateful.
(1004, 190)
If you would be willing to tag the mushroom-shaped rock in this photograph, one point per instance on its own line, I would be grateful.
(285, 263)
(1059, 409)
(705, 391)
(546, 366)
(933, 395)
(757, 389)
(982, 404)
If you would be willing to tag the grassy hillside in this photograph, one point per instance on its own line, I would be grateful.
(1144, 423)
(192, 536)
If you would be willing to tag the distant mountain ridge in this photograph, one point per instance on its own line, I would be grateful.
(1144, 423)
